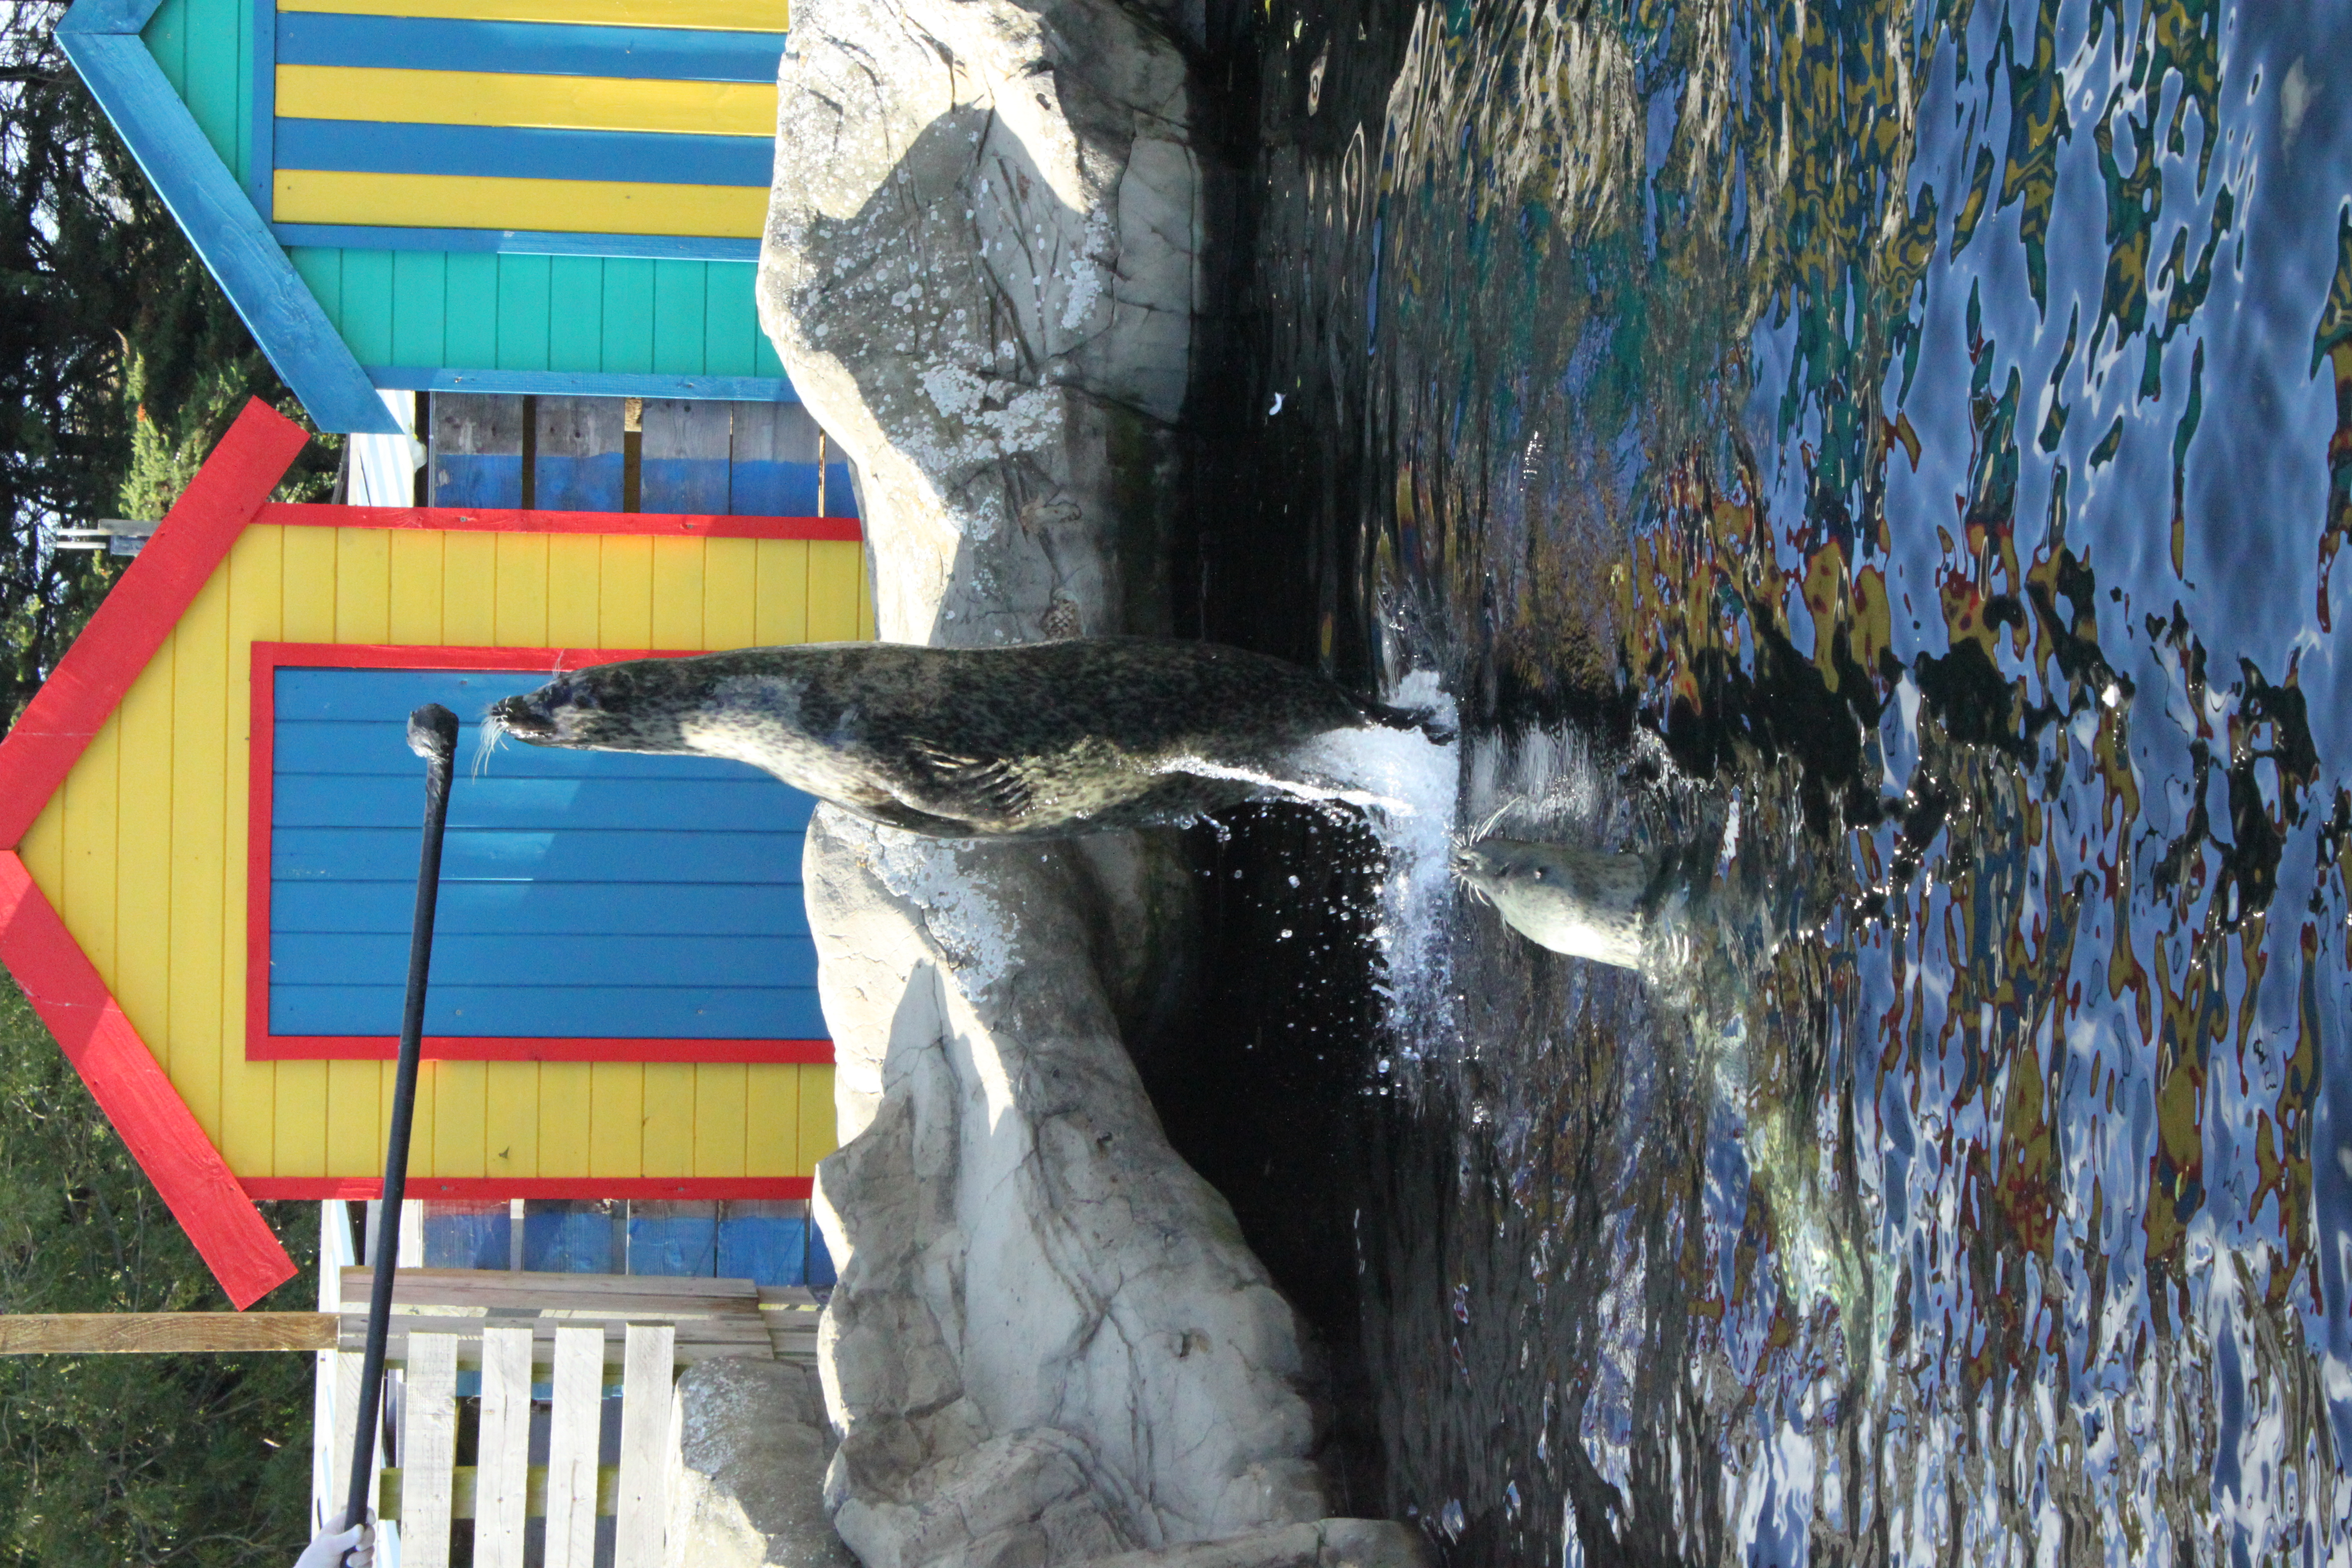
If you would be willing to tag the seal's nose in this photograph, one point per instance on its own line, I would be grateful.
(525, 717)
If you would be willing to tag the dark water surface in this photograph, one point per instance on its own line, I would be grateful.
(1904, 447)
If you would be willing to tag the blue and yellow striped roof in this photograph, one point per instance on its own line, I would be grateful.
(437, 114)
(560, 196)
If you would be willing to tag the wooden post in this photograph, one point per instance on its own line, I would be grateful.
(158, 1333)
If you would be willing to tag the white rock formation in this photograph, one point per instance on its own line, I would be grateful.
(1048, 1338)
(1049, 1344)
(747, 1486)
(981, 273)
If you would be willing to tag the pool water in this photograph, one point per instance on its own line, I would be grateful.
(1902, 450)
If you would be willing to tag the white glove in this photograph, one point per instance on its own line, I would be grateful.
(352, 1548)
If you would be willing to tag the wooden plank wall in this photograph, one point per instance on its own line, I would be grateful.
(614, 315)
(144, 850)
(205, 50)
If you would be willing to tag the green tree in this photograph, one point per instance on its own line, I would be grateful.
(117, 1459)
(121, 363)
(120, 360)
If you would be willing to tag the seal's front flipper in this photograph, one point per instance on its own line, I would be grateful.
(977, 789)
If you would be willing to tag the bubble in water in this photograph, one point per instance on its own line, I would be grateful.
(1451, 1521)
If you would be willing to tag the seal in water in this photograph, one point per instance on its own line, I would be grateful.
(1586, 903)
(1030, 742)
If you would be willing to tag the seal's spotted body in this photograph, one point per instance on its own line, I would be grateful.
(1015, 742)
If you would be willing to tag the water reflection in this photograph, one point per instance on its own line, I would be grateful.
(1904, 449)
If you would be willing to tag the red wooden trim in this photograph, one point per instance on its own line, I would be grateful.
(261, 1046)
(140, 611)
(268, 1047)
(485, 520)
(189, 1173)
(689, 1189)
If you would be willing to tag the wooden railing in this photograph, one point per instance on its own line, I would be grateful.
(558, 1339)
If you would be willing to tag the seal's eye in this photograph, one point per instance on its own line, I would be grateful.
(1538, 873)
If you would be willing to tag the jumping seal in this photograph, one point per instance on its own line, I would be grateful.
(1609, 908)
(1031, 742)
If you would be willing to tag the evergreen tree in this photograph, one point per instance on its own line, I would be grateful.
(112, 1460)
(121, 363)
(120, 360)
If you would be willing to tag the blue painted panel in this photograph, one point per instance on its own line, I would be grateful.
(493, 800)
(585, 382)
(226, 231)
(488, 959)
(320, 749)
(463, 1234)
(675, 1240)
(523, 152)
(820, 1275)
(840, 494)
(529, 48)
(685, 484)
(529, 242)
(108, 15)
(789, 489)
(776, 489)
(577, 484)
(534, 909)
(466, 479)
(650, 858)
(570, 1237)
(595, 894)
(767, 1249)
(552, 1012)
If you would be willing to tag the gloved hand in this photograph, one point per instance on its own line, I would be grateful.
(352, 1548)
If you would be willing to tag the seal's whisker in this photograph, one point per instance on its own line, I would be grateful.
(493, 731)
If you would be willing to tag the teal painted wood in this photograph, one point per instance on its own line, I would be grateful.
(211, 208)
(524, 908)
(470, 310)
(764, 362)
(585, 384)
(365, 319)
(166, 37)
(323, 271)
(628, 315)
(420, 281)
(677, 288)
(729, 318)
(527, 48)
(211, 89)
(522, 317)
(260, 87)
(584, 894)
(575, 335)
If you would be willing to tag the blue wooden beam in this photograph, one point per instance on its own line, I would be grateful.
(102, 38)
(518, 242)
(585, 384)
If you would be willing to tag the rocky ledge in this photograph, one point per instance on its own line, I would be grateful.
(1049, 1344)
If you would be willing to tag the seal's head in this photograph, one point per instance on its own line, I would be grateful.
(634, 706)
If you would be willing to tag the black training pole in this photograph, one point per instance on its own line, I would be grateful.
(433, 735)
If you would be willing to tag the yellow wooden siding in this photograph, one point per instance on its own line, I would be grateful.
(504, 201)
(653, 104)
(143, 849)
